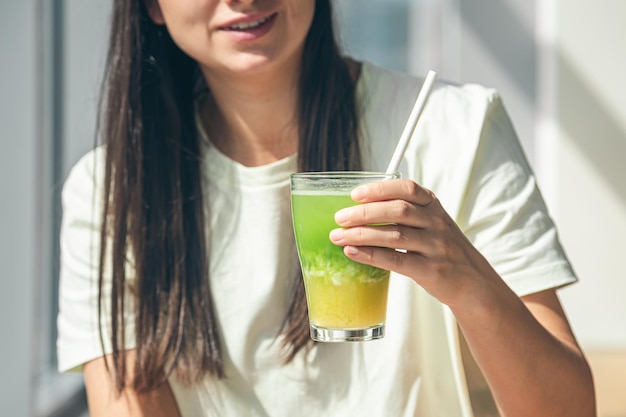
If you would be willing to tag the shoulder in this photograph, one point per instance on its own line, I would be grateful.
(385, 86)
(445, 144)
(81, 196)
(453, 117)
(87, 173)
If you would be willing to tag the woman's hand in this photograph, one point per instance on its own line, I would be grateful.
(413, 236)
(524, 347)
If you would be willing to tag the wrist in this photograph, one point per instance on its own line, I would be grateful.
(484, 302)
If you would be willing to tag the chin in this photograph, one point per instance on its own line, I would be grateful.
(257, 63)
(251, 66)
(260, 62)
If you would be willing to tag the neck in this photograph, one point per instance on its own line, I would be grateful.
(253, 119)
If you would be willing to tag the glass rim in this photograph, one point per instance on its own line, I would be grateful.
(343, 174)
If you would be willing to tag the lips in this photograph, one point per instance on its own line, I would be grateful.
(249, 23)
(250, 28)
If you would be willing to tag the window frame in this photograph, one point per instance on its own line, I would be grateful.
(54, 394)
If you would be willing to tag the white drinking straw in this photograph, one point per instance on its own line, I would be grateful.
(394, 164)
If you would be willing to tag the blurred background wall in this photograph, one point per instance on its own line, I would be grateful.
(559, 65)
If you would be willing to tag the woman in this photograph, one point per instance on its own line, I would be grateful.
(189, 302)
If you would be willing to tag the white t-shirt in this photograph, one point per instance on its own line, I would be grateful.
(464, 149)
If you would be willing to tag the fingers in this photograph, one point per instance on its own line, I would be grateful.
(391, 236)
(392, 260)
(396, 201)
(401, 226)
(395, 211)
(439, 278)
(393, 190)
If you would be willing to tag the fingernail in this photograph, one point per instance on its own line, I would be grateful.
(358, 193)
(351, 250)
(341, 216)
(336, 235)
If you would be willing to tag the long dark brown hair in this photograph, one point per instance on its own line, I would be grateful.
(153, 216)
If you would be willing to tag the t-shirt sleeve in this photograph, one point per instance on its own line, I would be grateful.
(504, 215)
(79, 339)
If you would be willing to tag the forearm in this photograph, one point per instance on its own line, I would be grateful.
(531, 370)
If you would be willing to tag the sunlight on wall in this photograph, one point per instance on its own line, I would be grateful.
(592, 173)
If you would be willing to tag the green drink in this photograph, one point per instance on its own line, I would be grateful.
(347, 300)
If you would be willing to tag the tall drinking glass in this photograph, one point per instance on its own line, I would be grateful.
(347, 300)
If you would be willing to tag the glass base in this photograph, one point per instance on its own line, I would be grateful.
(322, 334)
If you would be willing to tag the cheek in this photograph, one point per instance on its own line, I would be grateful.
(302, 18)
(187, 22)
(192, 41)
(306, 12)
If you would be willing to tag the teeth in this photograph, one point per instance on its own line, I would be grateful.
(248, 25)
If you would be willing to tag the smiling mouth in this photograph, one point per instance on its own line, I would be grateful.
(243, 26)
